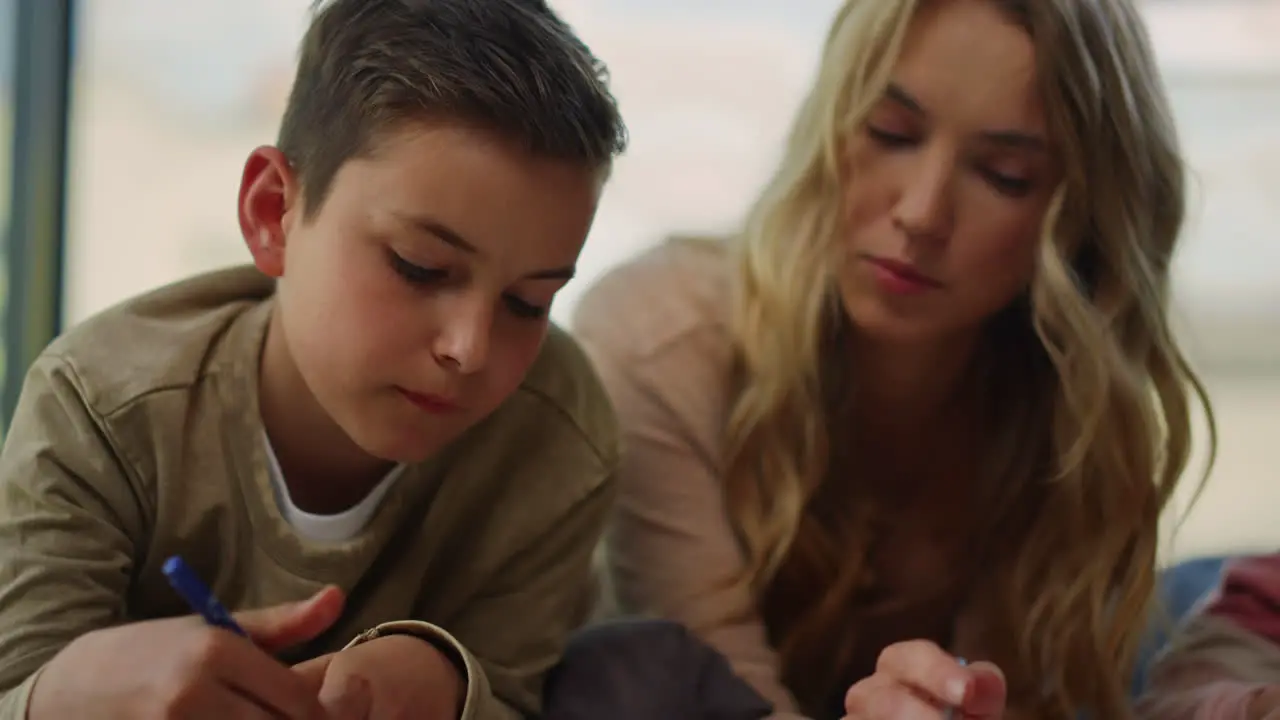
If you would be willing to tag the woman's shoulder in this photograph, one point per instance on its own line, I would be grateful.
(659, 299)
(657, 329)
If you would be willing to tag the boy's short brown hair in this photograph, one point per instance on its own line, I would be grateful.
(510, 66)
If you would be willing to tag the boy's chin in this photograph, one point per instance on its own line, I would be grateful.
(401, 444)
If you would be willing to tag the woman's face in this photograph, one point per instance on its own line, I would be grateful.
(948, 180)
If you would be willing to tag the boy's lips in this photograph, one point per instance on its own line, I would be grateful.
(435, 404)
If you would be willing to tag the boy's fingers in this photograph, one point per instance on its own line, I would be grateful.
(282, 626)
(313, 671)
(346, 696)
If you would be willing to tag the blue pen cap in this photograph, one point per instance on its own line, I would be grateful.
(198, 595)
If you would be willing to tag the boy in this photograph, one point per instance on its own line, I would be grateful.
(377, 418)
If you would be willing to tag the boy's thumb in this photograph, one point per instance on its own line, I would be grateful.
(282, 626)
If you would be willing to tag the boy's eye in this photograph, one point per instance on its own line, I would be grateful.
(415, 274)
(422, 276)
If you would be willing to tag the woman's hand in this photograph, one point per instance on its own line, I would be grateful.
(917, 679)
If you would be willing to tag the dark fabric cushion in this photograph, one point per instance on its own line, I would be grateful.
(646, 670)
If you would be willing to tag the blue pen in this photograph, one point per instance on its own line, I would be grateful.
(198, 595)
(951, 713)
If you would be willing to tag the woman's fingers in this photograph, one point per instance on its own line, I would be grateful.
(927, 669)
(880, 697)
(918, 679)
(988, 693)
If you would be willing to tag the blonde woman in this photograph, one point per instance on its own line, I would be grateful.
(926, 405)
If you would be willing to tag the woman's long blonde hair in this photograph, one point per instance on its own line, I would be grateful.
(1094, 429)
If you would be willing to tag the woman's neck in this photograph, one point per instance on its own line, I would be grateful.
(917, 424)
(906, 388)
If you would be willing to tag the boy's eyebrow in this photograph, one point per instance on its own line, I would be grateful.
(451, 237)
(445, 233)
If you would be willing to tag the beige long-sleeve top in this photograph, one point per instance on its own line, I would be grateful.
(657, 332)
(137, 437)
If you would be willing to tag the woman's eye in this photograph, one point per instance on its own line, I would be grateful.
(1008, 184)
(522, 309)
(889, 139)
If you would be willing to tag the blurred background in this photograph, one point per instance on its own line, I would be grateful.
(124, 123)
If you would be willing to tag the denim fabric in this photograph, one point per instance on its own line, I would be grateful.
(1180, 588)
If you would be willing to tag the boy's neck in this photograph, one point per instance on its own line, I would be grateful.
(325, 471)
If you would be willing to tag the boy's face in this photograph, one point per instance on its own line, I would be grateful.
(415, 299)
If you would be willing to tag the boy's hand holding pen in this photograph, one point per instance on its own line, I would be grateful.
(212, 666)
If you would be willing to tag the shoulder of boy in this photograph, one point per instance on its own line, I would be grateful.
(563, 384)
(158, 340)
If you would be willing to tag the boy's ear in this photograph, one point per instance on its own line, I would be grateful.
(269, 201)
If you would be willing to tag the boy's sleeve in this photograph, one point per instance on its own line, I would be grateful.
(69, 522)
(508, 640)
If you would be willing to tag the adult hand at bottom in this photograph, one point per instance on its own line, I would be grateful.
(918, 679)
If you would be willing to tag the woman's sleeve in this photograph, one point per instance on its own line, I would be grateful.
(671, 551)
